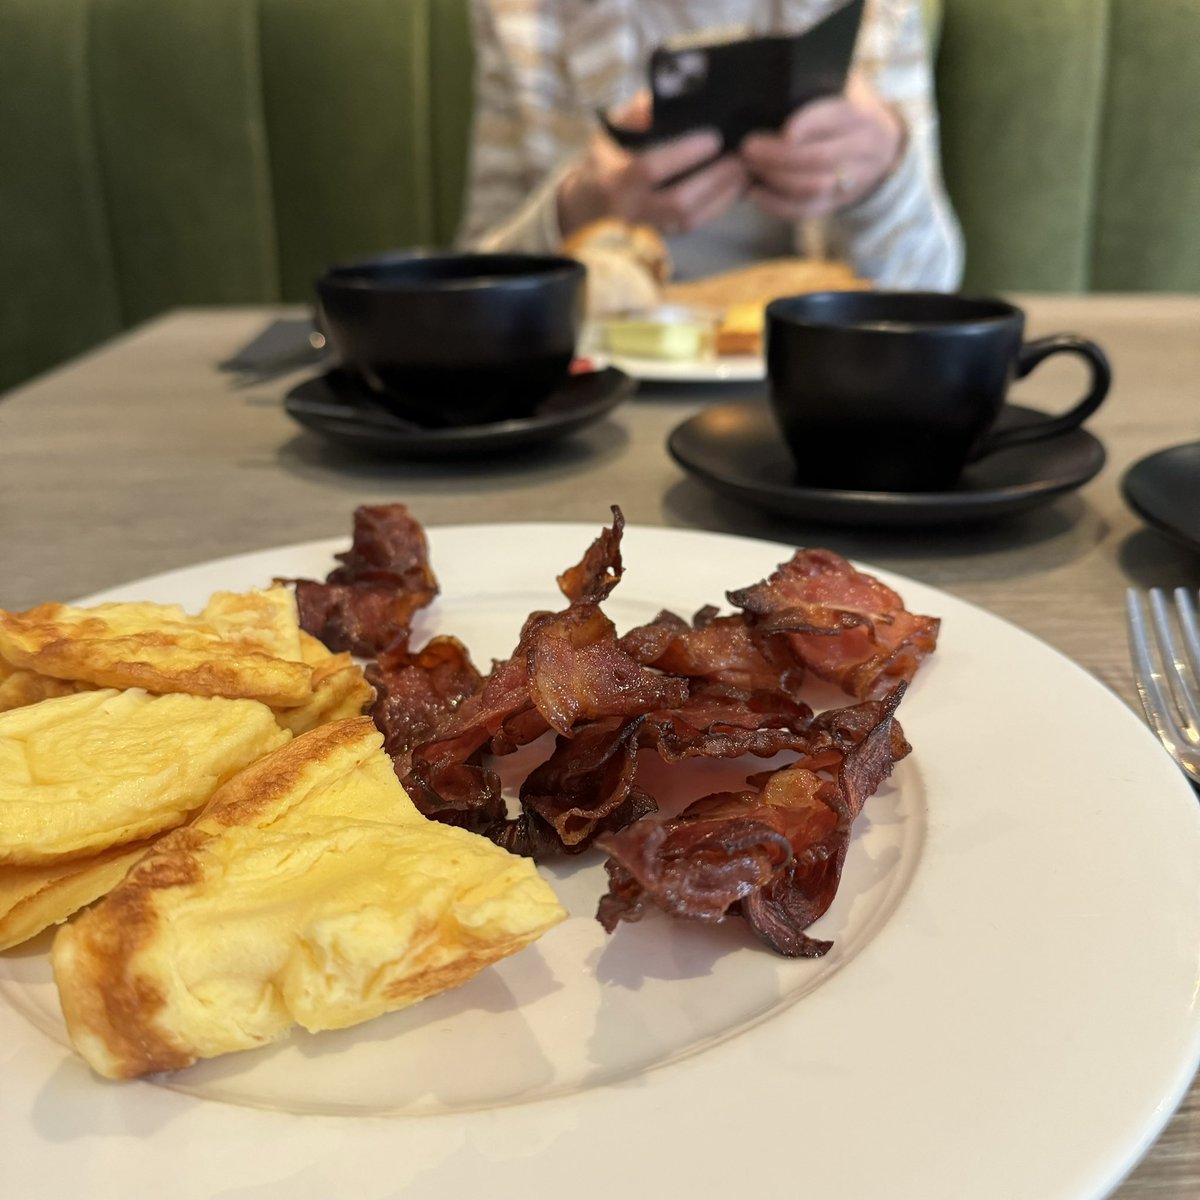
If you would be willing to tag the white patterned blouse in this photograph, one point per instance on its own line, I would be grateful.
(544, 67)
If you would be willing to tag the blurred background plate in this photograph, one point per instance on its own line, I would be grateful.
(724, 368)
(732, 368)
(1164, 490)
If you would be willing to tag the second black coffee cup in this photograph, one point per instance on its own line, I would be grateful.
(899, 391)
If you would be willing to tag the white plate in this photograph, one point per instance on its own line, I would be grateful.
(1009, 1008)
(727, 368)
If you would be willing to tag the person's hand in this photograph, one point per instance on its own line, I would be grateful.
(611, 182)
(830, 154)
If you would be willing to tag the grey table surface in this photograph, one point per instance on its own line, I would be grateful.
(144, 455)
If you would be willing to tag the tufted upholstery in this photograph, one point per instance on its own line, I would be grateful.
(155, 153)
(1071, 142)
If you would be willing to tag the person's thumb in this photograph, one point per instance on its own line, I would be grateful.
(634, 113)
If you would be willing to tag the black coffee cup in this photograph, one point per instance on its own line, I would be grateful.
(899, 391)
(445, 338)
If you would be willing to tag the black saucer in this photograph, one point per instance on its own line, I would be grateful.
(339, 406)
(737, 450)
(1164, 489)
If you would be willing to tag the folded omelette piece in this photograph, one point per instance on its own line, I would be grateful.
(19, 687)
(34, 898)
(339, 689)
(242, 646)
(82, 773)
(310, 891)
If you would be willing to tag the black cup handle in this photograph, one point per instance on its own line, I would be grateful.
(1028, 357)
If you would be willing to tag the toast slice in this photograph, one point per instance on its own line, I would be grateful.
(764, 281)
(743, 295)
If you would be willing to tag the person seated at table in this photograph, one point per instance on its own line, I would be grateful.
(854, 177)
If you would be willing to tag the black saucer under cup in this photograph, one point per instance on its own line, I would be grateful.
(340, 407)
(898, 391)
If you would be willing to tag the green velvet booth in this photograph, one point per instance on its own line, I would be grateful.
(156, 153)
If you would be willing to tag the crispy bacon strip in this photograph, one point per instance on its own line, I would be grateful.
(578, 671)
(721, 649)
(588, 784)
(845, 626)
(600, 569)
(720, 721)
(457, 791)
(446, 778)
(388, 547)
(368, 603)
(723, 722)
(781, 912)
(719, 686)
(414, 692)
(772, 853)
(688, 867)
(567, 670)
(361, 619)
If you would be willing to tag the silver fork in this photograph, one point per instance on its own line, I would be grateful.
(1166, 667)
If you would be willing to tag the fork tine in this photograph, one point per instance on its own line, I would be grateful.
(1177, 664)
(1146, 672)
(1189, 625)
(1165, 671)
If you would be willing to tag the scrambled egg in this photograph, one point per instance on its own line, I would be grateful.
(259, 863)
(82, 773)
(339, 689)
(34, 898)
(79, 781)
(242, 646)
(309, 891)
(19, 687)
